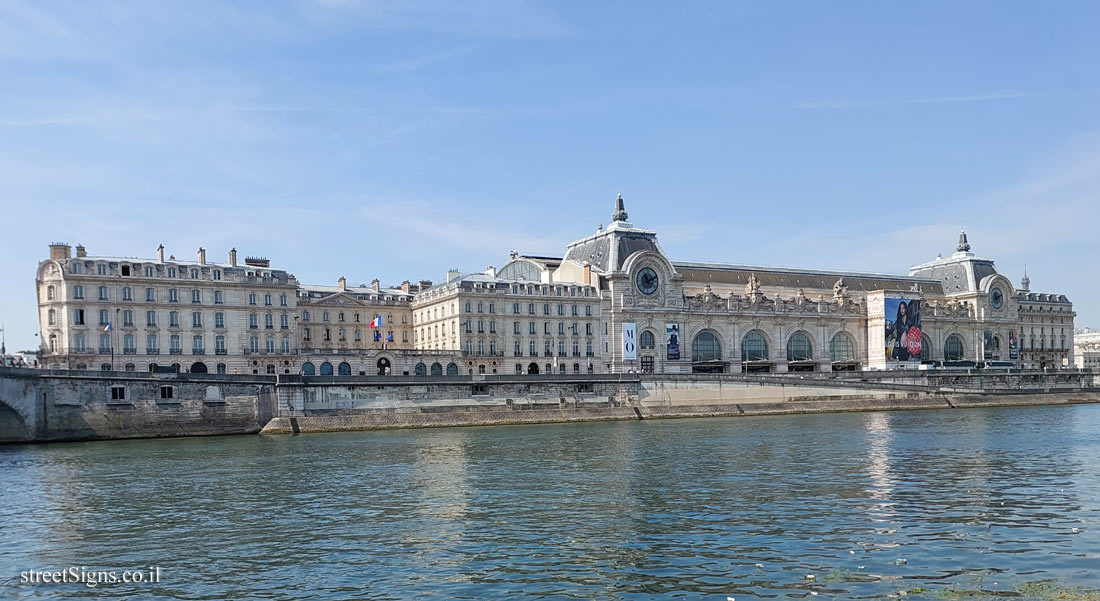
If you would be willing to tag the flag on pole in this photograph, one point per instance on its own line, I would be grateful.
(376, 322)
(107, 328)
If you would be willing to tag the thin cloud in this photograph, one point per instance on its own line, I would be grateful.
(887, 102)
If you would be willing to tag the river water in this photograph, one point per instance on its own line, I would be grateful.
(926, 504)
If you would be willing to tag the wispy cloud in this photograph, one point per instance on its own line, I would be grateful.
(920, 100)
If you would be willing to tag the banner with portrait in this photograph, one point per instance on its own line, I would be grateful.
(903, 329)
(1013, 345)
(672, 341)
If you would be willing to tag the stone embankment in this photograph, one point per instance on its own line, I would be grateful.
(44, 405)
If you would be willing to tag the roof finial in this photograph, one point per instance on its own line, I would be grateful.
(620, 210)
(964, 246)
(1025, 282)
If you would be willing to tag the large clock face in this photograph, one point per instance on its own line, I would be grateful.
(647, 280)
(996, 298)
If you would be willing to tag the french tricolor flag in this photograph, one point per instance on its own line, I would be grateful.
(376, 322)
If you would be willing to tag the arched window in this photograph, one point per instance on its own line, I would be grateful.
(308, 369)
(326, 369)
(271, 369)
(480, 369)
(52, 319)
(198, 368)
(925, 348)
(706, 347)
(105, 367)
(437, 369)
(646, 339)
(221, 368)
(799, 347)
(343, 369)
(49, 293)
(549, 369)
(754, 347)
(421, 369)
(129, 367)
(519, 368)
(841, 348)
(953, 348)
(576, 368)
(452, 369)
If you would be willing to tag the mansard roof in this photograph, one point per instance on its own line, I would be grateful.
(811, 279)
(961, 272)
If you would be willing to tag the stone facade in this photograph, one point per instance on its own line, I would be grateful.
(538, 314)
(128, 314)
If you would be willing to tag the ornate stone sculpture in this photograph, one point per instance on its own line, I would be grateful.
(753, 287)
(840, 291)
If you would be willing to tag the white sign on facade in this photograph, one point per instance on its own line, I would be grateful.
(630, 342)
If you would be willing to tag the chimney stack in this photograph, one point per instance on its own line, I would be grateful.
(587, 273)
(58, 250)
(80, 252)
(452, 275)
(404, 286)
(160, 253)
(233, 257)
(342, 283)
(202, 256)
(491, 271)
(376, 285)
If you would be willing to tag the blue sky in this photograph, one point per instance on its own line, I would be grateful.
(399, 139)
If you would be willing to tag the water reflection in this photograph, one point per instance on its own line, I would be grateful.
(870, 504)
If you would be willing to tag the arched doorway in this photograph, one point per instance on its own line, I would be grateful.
(800, 353)
(754, 353)
(533, 368)
(383, 366)
(326, 369)
(343, 369)
(706, 353)
(198, 368)
(308, 369)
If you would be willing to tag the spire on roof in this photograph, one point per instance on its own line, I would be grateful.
(1025, 282)
(964, 246)
(620, 210)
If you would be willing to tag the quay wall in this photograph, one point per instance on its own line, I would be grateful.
(45, 405)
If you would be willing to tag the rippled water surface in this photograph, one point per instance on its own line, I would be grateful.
(930, 504)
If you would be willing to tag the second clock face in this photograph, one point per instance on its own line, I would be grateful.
(647, 280)
(996, 298)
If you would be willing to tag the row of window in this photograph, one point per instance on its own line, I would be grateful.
(148, 270)
(152, 344)
(173, 295)
(151, 319)
(326, 335)
(340, 317)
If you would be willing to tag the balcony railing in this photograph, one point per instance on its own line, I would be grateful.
(104, 350)
(175, 351)
(152, 351)
(197, 351)
(219, 351)
(129, 351)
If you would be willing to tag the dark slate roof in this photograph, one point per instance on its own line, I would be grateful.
(961, 272)
(808, 279)
(607, 250)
